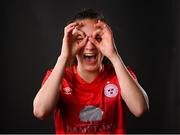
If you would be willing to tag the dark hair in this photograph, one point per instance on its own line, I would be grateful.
(88, 14)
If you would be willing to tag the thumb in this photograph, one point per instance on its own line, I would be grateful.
(94, 41)
(82, 43)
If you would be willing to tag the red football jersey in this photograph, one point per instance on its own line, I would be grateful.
(94, 108)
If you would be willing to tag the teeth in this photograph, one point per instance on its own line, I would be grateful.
(89, 54)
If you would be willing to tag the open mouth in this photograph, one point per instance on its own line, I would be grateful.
(90, 58)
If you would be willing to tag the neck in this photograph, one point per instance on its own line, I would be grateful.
(88, 76)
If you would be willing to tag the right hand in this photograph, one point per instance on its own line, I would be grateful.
(70, 46)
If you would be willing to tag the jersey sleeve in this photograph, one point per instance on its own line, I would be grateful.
(132, 73)
(46, 76)
(65, 80)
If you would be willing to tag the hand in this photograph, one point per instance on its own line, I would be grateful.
(103, 39)
(71, 45)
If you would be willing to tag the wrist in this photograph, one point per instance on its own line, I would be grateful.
(115, 59)
(113, 56)
(68, 61)
(62, 59)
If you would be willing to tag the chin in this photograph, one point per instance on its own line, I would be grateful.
(91, 68)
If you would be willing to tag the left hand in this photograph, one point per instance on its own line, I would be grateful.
(103, 39)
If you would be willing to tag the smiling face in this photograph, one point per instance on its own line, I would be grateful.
(89, 58)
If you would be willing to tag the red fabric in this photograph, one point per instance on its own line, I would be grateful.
(76, 94)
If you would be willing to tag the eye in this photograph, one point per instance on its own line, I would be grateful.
(79, 37)
(98, 38)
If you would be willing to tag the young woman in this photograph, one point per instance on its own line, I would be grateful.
(86, 96)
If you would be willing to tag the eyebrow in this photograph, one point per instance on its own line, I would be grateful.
(79, 26)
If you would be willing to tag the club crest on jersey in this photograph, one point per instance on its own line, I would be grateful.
(67, 90)
(110, 90)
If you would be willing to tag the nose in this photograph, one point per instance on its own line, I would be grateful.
(89, 46)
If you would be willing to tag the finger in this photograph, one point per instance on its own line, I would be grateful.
(82, 43)
(93, 41)
(68, 31)
(105, 25)
(76, 31)
(71, 25)
(80, 24)
(102, 25)
(97, 32)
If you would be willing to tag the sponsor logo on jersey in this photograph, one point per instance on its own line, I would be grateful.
(110, 90)
(91, 113)
(91, 128)
(67, 91)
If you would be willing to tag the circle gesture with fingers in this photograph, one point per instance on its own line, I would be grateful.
(73, 41)
(103, 39)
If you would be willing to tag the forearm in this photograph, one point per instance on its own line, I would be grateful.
(48, 95)
(132, 93)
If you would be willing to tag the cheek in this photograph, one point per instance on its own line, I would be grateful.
(78, 58)
(100, 57)
(79, 55)
(80, 51)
